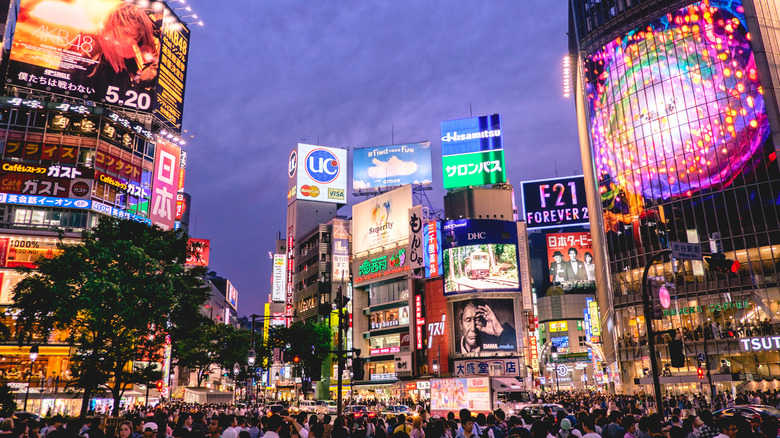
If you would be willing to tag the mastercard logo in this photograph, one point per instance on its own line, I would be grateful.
(307, 190)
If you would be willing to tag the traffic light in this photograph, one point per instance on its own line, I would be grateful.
(700, 372)
(159, 386)
(341, 300)
(296, 359)
(357, 369)
(676, 353)
(719, 263)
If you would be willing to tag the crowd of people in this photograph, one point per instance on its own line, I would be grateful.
(565, 414)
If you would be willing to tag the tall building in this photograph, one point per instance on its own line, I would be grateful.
(85, 132)
(677, 105)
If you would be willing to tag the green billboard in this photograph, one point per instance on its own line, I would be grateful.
(473, 169)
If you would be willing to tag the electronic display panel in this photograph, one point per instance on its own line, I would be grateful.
(480, 255)
(676, 109)
(472, 152)
(570, 259)
(127, 54)
(385, 167)
(555, 203)
(484, 326)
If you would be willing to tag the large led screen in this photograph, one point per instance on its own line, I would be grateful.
(472, 152)
(570, 258)
(676, 109)
(382, 167)
(123, 53)
(484, 325)
(480, 255)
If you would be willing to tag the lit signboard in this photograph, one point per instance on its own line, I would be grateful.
(279, 278)
(165, 186)
(452, 395)
(555, 203)
(340, 252)
(382, 167)
(472, 152)
(558, 326)
(317, 173)
(231, 294)
(432, 252)
(480, 255)
(199, 255)
(381, 220)
(24, 251)
(44, 201)
(759, 344)
(484, 325)
(570, 258)
(79, 49)
(382, 265)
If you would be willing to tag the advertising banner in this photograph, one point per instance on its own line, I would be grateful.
(10, 198)
(390, 318)
(482, 367)
(472, 152)
(484, 325)
(200, 257)
(82, 49)
(54, 180)
(279, 278)
(432, 252)
(480, 255)
(524, 266)
(381, 220)
(165, 183)
(416, 259)
(384, 265)
(231, 294)
(384, 167)
(452, 395)
(570, 257)
(555, 203)
(340, 258)
(24, 251)
(317, 173)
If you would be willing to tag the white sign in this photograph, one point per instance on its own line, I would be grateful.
(763, 343)
(317, 173)
(381, 220)
(686, 251)
(384, 376)
(487, 367)
(279, 279)
(416, 260)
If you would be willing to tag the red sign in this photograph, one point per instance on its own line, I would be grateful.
(290, 266)
(570, 256)
(3, 251)
(385, 350)
(165, 184)
(200, 256)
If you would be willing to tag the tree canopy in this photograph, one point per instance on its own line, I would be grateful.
(114, 297)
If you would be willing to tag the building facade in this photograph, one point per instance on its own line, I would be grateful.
(678, 116)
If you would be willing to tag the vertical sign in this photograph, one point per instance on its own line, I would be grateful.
(419, 320)
(593, 310)
(340, 250)
(534, 351)
(182, 168)
(416, 261)
(4, 244)
(172, 71)
(524, 265)
(290, 265)
(432, 249)
(279, 277)
(165, 184)
(266, 327)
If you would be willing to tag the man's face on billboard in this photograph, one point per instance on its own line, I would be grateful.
(572, 254)
(468, 324)
(558, 258)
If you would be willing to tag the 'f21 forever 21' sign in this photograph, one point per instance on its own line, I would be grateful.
(555, 203)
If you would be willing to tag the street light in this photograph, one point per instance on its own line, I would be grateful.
(251, 357)
(33, 356)
(435, 366)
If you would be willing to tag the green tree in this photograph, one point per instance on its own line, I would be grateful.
(114, 297)
(7, 402)
(211, 344)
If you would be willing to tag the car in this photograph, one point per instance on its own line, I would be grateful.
(748, 411)
(274, 409)
(325, 407)
(536, 410)
(394, 410)
(359, 411)
(24, 415)
(307, 406)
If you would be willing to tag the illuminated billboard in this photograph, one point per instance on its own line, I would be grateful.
(164, 187)
(231, 295)
(555, 203)
(484, 325)
(18, 251)
(340, 251)
(452, 395)
(200, 255)
(667, 124)
(317, 173)
(570, 258)
(480, 255)
(381, 220)
(279, 278)
(432, 253)
(472, 152)
(110, 51)
(382, 167)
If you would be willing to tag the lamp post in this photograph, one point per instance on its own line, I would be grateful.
(236, 370)
(33, 356)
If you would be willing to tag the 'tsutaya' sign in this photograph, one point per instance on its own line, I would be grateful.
(763, 343)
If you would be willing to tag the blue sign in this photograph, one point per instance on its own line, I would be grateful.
(555, 203)
(44, 201)
(560, 341)
(115, 212)
(432, 249)
(322, 166)
(474, 134)
(385, 167)
(465, 232)
(701, 357)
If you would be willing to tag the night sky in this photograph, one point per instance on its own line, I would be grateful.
(265, 75)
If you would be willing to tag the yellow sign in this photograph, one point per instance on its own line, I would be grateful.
(593, 311)
(559, 326)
